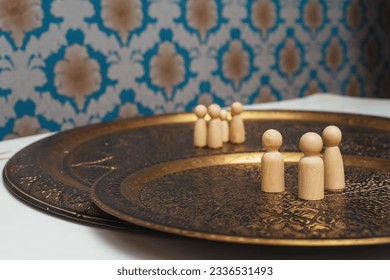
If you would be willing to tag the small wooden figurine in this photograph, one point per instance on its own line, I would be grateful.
(200, 128)
(225, 126)
(237, 128)
(334, 167)
(272, 162)
(214, 132)
(311, 168)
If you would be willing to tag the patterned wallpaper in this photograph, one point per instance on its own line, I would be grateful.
(69, 63)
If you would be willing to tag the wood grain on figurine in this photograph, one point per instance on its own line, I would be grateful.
(200, 128)
(311, 168)
(334, 167)
(214, 132)
(237, 128)
(272, 163)
(225, 126)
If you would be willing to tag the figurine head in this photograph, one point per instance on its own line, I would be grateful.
(331, 136)
(310, 143)
(236, 108)
(223, 115)
(214, 110)
(200, 111)
(272, 140)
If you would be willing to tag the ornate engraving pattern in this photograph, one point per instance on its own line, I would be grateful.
(225, 200)
(56, 174)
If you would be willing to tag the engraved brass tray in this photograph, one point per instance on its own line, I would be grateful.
(218, 198)
(56, 174)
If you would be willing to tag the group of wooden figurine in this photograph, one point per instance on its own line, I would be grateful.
(218, 130)
(316, 173)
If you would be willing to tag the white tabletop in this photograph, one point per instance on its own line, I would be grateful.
(27, 233)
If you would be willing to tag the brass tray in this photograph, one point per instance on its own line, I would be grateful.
(218, 198)
(56, 174)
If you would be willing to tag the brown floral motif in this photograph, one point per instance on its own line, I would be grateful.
(128, 110)
(354, 14)
(353, 87)
(333, 54)
(19, 17)
(77, 76)
(235, 62)
(263, 15)
(385, 85)
(25, 126)
(312, 88)
(202, 15)
(265, 95)
(371, 51)
(205, 99)
(167, 68)
(313, 15)
(290, 58)
(385, 16)
(122, 16)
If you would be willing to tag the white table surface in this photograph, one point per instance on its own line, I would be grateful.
(27, 233)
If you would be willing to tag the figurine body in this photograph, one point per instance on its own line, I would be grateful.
(200, 128)
(214, 132)
(272, 163)
(311, 168)
(237, 128)
(225, 126)
(334, 167)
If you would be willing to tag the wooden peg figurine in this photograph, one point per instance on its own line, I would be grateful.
(237, 128)
(272, 162)
(214, 132)
(334, 167)
(311, 168)
(200, 128)
(225, 126)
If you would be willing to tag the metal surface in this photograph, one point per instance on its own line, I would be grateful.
(219, 198)
(56, 174)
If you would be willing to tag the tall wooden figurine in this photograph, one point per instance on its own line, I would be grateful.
(200, 128)
(214, 132)
(334, 167)
(237, 128)
(272, 162)
(225, 126)
(311, 168)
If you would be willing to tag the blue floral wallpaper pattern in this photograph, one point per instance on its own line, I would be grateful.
(69, 63)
